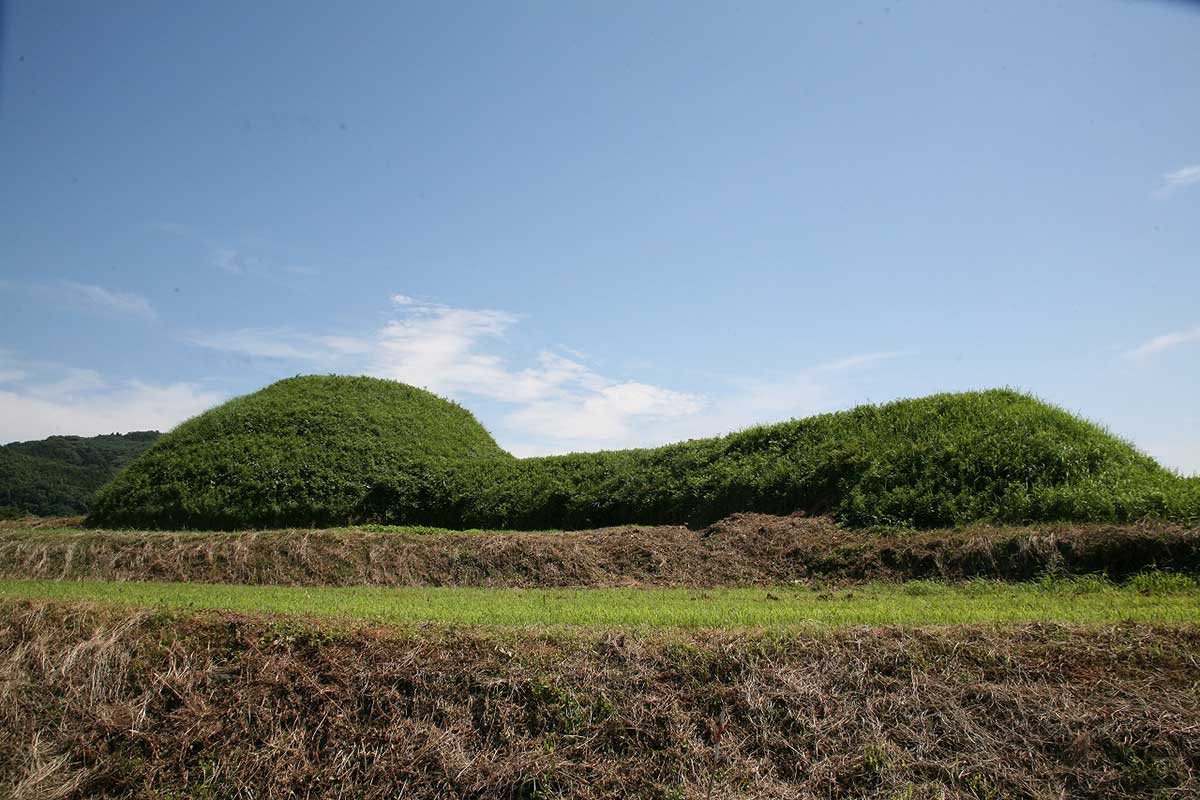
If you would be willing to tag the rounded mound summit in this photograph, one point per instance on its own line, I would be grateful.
(302, 451)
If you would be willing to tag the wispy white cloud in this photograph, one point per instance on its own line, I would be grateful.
(236, 261)
(1179, 179)
(608, 416)
(1180, 453)
(69, 382)
(172, 228)
(558, 399)
(557, 403)
(1165, 342)
(281, 343)
(81, 402)
(241, 256)
(862, 360)
(344, 345)
(106, 300)
(86, 295)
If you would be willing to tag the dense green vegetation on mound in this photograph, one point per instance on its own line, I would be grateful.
(934, 461)
(337, 450)
(301, 451)
(61, 475)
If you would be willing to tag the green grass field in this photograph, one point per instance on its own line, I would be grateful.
(1149, 598)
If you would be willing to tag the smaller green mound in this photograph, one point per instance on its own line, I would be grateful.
(936, 461)
(303, 451)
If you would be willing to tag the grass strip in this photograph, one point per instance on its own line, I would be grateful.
(1150, 599)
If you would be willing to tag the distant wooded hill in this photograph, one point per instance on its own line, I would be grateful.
(60, 475)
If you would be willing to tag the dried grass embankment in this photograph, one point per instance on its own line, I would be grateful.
(98, 702)
(745, 549)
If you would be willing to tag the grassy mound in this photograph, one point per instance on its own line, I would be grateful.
(337, 450)
(301, 451)
(942, 460)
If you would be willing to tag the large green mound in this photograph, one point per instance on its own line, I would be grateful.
(942, 460)
(301, 451)
(307, 452)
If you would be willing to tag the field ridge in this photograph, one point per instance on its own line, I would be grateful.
(742, 550)
(216, 704)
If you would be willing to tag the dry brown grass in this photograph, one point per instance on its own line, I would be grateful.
(31, 521)
(98, 702)
(741, 550)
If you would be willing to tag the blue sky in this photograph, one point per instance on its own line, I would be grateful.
(602, 224)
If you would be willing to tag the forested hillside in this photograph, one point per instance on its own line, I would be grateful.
(60, 475)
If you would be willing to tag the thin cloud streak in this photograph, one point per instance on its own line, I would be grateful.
(281, 344)
(559, 399)
(556, 404)
(112, 300)
(1162, 343)
(864, 360)
(245, 258)
(1179, 179)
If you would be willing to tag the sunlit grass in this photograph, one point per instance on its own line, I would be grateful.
(1089, 601)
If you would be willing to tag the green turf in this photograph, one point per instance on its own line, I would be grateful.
(334, 451)
(1154, 598)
